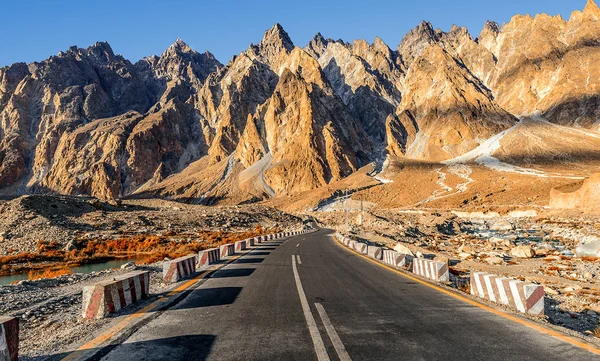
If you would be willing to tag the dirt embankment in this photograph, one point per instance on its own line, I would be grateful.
(41, 232)
(535, 249)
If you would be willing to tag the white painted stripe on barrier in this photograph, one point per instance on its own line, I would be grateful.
(501, 290)
(138, 288)
(3, 342)
(490, 289)
(538, 308)
(114, 292)
(478, 284)
(127, 292)
(516, 296)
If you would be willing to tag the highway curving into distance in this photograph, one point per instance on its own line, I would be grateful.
(307, 298)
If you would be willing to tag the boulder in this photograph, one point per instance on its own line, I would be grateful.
(465, 249)
(70, 246)
(501, 225)
(588, 250)
(523, 251)
(494, 260)
(128, 265)
(465, 256)
(400, 248)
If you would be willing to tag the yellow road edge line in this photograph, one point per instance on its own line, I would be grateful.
(569, 339)
(105, 336)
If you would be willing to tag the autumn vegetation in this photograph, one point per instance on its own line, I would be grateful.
(50, 260)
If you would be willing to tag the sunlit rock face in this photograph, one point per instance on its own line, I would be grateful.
(279, 119)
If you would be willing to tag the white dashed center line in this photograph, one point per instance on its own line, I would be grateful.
(310, 320)
(333, 335)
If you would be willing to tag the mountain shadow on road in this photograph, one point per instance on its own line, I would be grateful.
(207, 297)
(233, 272)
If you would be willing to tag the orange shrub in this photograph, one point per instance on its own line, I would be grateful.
(49, 273)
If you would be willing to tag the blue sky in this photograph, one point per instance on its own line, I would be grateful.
(35, 29)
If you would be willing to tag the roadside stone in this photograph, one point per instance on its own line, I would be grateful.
(494, 260)
(465, 249)
(523, 251)
(501, 225)
(400, 248)
(128, 265)
(70, 246)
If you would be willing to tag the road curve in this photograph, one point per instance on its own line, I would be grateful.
(306, 298)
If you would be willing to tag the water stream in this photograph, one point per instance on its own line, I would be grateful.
(86, 268)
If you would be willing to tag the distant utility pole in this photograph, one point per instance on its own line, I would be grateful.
(362, 212)
(346, 208)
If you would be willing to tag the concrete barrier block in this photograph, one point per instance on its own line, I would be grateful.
(107, 297)
(351, 244)
(240, 246)
(9, 338)
(178, 269)
(375, 252)
(393, 258)
(524, 297)
(250, 242)
(436, 271)
(227, 250)
(208, 257)
(360, 247)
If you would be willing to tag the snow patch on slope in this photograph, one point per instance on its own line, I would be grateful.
(483, 155)
(257, 171)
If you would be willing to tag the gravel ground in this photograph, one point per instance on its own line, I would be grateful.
(572, 285)
(49, 310)
(27, 219)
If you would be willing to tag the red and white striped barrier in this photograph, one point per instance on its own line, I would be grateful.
(178, 269)
(208, 257)
(436, 271)
(107, 297)
(393, 258)
(360, 247)
(240, 246)
(9, 339)
(375, 252)
(525, 297)
(227, 250)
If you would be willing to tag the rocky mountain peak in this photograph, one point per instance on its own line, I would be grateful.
(317, 45)
(591, 9)
(457, 35)
(180, 46)
(491, 27)
(101, 50)
(416, 41)
(380, 45)
(180, 61)
(277, 38)
(177, 49)
(489, 34)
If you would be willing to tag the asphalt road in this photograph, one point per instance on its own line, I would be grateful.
(306, 298)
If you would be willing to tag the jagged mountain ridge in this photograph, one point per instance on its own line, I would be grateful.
(280, 119)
